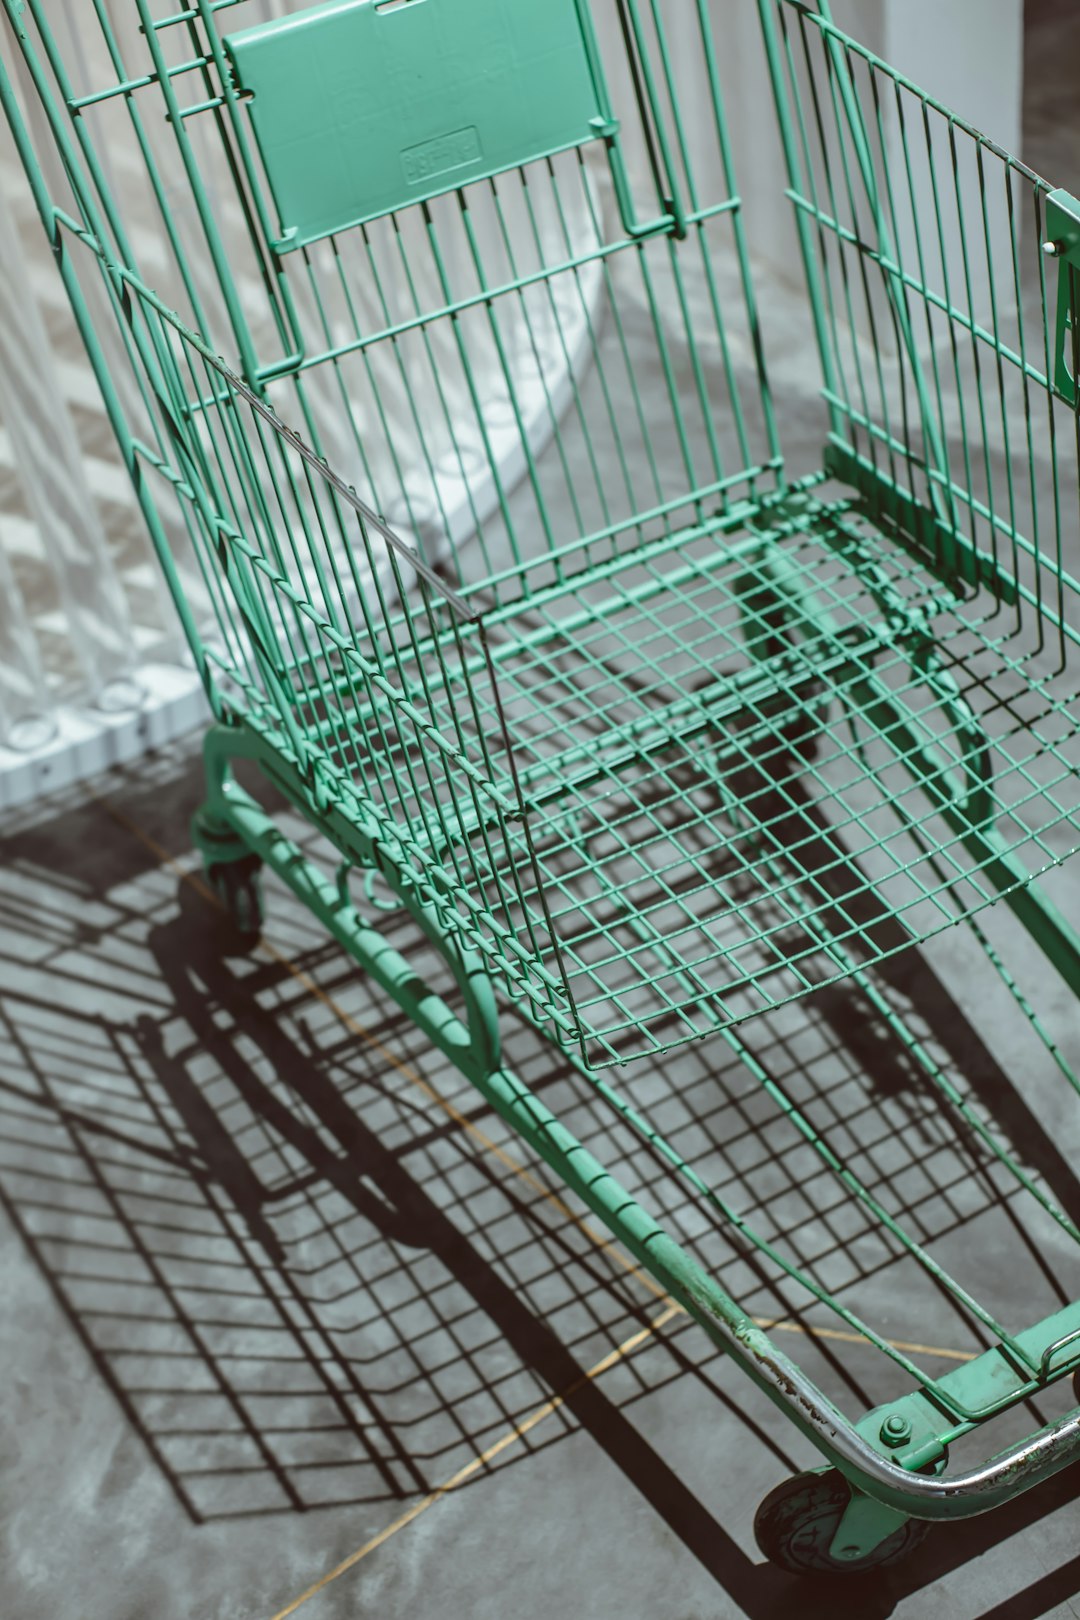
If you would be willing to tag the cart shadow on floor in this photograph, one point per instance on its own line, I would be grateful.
(219, 1244)
(305, 1287)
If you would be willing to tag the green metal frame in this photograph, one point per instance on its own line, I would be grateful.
(577, 757)
(885, 1455)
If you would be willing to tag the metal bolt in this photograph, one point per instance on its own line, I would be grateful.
(848, 1552)
(896, 1430)
(1053, 250)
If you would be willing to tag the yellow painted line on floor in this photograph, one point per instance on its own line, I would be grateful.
(770, 1325)
(519, 1430)
(510, 1438)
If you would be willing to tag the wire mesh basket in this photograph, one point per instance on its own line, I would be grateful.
(651, 729)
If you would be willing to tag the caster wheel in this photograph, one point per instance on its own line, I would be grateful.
(238, 887)
(796, 1522)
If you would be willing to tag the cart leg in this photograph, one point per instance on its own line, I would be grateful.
(819, 1523)
(972, 820)
(232, 868)
(235, 833)
(865, 1526)
(216, 839)
(969, 807)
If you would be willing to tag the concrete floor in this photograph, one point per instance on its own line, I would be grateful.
(293, 1326)
(282, 1298)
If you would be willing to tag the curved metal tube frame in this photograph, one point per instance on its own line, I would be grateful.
(473, 1045)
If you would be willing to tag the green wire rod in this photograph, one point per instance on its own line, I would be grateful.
(438, 349)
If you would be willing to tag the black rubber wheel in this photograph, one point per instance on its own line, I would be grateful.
(1076, 1385)
(796, 1522)
(238, 886)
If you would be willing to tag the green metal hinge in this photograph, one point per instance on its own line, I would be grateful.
(1062, 244)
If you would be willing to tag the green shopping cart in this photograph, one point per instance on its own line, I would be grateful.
(649, 729)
